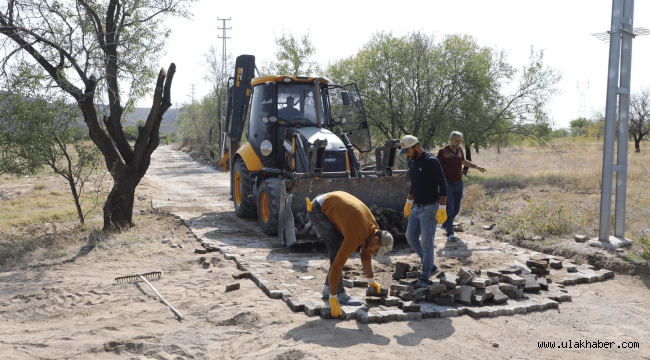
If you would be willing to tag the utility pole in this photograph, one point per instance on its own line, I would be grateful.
(582, 89)
(192, 85)
(620, 39)
(224, 89)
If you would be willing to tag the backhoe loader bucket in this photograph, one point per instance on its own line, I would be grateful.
(383, 192)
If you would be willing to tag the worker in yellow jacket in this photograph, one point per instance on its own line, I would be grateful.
(345, 224)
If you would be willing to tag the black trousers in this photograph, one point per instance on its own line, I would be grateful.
(330, 236)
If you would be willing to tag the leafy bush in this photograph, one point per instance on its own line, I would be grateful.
(539, 220)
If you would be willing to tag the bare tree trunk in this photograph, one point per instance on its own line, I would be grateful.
(468, 157)
(118, 209)
(637, 143)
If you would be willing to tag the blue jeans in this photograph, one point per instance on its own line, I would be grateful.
(420, 232)
(454, 196)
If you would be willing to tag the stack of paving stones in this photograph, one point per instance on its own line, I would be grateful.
(470, 292)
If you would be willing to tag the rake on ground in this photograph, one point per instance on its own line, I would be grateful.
(150, 276)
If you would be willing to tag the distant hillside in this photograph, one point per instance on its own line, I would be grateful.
(168, 124)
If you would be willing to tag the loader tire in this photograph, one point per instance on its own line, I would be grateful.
(244, 204)
(268, 205)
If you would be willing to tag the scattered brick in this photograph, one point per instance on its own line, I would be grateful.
(436, 288)
(540, 271)
(513, 279)
(410, 307)
(390, 301)
(233, 286)
(531, 283)
(497, 296)
(537, 263)
(494, 280)
(372, 291)
(419, 294)
(450, 281)
(493, 273)
(406, 296)
(413, 274)
(556, 263)
(465, 296)
(241, 275)
(571, 267)
(206, 265)
(480, 283)
(480, 296)
(580, 238)
(454, 291)
(401, 287)
(445, 301)
(348, 283)
(511, 271)
(200, 250)
(408, 282)
(465, 275)
(400, 270)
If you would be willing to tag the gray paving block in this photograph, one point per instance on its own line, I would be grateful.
(400, 270)
(493, 273)
(540, 271)
(412, 274)
(436, 288)
(480, 296)
(232, 286)
(406, 296)
(571, 267)
(531, 283)
(372, 291)
(360, 283)
(445, 301)
(510, 270)
(480, 283)
(200, 250)
(348, 283)
(555, 264)
(450, 281)
(465, 296)
(390, 300)
(465, 275)
(401, 287)
(494, 280)
(454, 291)
(241, 275)
(513, 279)
(497, 296)
(537, 264)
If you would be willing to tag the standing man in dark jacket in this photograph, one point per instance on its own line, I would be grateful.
(452, 159)
(425, 206)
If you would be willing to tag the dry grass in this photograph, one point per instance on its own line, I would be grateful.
(553, 191)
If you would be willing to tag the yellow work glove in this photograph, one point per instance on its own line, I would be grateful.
(336, 307)
(309, 205)
(441, 215)
(375, 284)
(407, 208)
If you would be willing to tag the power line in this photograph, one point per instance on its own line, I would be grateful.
(224, 77)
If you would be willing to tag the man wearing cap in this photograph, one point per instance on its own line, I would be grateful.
(289, 112)
(425, 205)
(344, 224)
(452, 159)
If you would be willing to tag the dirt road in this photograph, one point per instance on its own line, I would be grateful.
(72, 309)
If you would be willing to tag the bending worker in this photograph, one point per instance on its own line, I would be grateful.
(345, 224)
(428, 188)
(452, 159)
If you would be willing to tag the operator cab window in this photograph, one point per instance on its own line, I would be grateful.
(297, 104)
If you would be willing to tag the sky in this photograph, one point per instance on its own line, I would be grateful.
(338, 29)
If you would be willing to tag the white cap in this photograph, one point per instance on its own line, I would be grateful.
(408, 141)
(386, 243)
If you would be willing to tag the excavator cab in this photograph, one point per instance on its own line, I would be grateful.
(301, 141)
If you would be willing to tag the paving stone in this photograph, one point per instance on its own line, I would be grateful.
(436, 288)
(372, 291)
(567, 281)
(498, 297)
(312, 308)
(494, 280)
(558, 296)
(406, 296)
(232, 286)
(206, 265)
(296, 305)
(408, 282)
(537, 264)
(580, 238)
(401, 287)
(410, 307)
(360, 283)
(373, 300)
(400, 270)
(513, 279)
(531, 283)
(480, 283)
(524, 268)
(465, 296)
(465, 275)
(510, 270)
(241, 275)
(419, 294)
(445, 301)
(454, 291)
(507, 289)
(543, 284)
(450, 281)
(412, 274)
(390, 300)
(540, 257)
(493, 273)
(555, 263)
(540, 271)
(348, 283)
(200, 250)
(571, 267)
(480, 296)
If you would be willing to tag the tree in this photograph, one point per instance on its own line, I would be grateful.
(293, 56)
(101, 53)
(639, 117)
(579, 126)
(36, 133)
